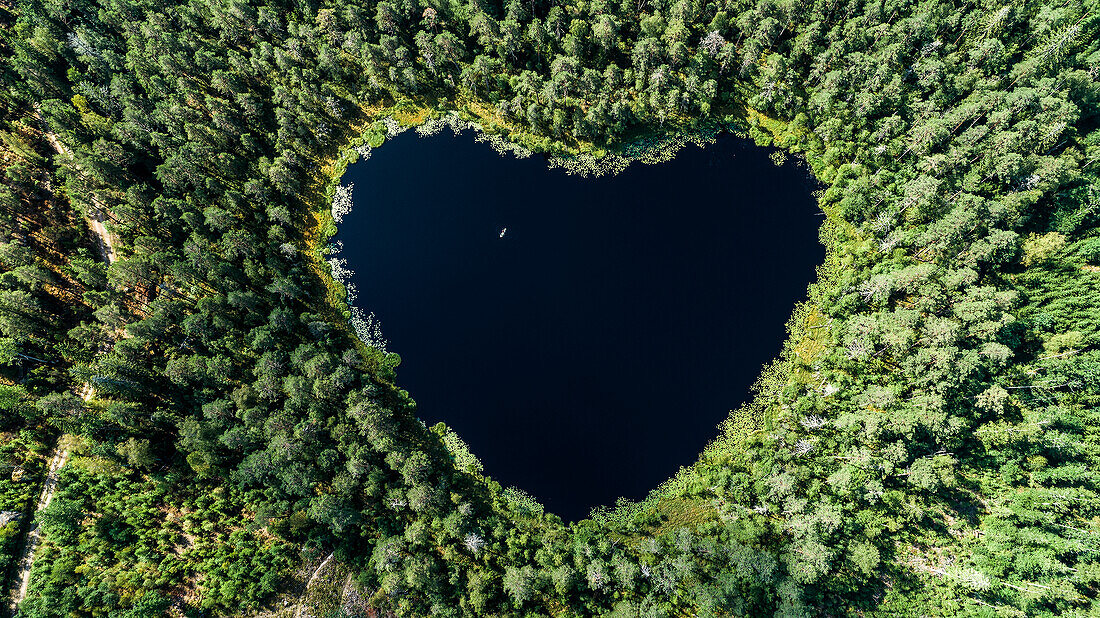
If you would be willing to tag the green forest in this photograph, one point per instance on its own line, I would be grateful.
(181, 376)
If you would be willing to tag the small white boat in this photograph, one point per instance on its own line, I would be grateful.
(502, 231)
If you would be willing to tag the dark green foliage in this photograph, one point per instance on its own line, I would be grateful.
(925, 445)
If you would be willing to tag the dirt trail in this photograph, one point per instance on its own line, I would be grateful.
(104, 241)
(34, 535)
(305, 591)
(61, 453)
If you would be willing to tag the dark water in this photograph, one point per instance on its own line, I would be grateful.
(592, 350)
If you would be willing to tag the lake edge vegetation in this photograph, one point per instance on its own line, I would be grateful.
(927, 450)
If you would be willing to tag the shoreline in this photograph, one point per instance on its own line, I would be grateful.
(751, 417)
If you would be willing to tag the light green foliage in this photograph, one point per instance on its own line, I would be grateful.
(23, 455)
(463, 459)
(925, 445)
(107, 517)
(1039, 249)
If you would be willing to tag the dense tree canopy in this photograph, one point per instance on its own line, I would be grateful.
(927, 444)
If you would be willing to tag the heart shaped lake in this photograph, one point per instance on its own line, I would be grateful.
(584, 336)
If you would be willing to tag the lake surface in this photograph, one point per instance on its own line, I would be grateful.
(592, 350)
